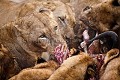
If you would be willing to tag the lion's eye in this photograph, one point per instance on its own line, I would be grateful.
(87, 8)
(43, 36)
(55, 28)
(41, 10)
(63, 21)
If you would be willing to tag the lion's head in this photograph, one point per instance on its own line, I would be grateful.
(63, 13)
(103, 16)
(31, 35)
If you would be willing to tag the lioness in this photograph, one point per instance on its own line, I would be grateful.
(63, 13)
(65, 17)
(27, 37)
(103, 16)
(111, 67)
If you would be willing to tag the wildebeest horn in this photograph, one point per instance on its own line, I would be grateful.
(107, 34)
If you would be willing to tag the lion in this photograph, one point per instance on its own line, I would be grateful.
(110, 70)
(78, 67)
(103, 16)
(63, 13)
(8, 65)
(80, 5)
(27, 37)
(39, 72)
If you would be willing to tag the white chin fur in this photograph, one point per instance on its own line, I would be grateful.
(45, 55)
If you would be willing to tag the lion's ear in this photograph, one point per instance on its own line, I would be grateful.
(26, 9)
(113, 53)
